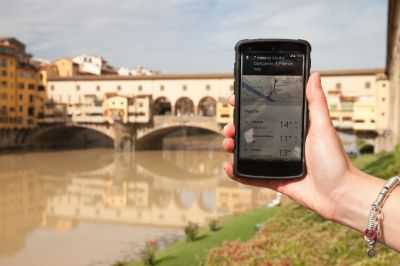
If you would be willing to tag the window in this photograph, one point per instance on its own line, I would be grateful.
(21, 109)
(383, 99)
(382, 114)
(367, 85)
(119, 87)
(21, 97)
(52, 87)
(4, 96)
(338, 85)
(184, 88)
(98, 88)
(162, 88)
(4, 62)
(208, 87)
(384, 85)
(372, 120)
(333, 106)
(78, 88)
(31, 98)
(4, 84)
(31, 86)
(4, 73)
(140, 87)
(347, 118)
(21, 86)
(140, 104)
(31, 111)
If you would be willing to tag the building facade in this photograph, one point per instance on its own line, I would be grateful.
(22, 93)
(358, 99)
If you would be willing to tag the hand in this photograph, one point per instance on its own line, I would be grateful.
(328, 167)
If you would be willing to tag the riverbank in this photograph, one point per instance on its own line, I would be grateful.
(238, 227)
(289, 235)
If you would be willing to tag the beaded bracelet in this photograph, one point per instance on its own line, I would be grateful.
(375, 216)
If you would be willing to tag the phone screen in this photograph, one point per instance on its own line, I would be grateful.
(271, 105)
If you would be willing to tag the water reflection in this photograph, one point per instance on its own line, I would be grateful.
(161, 189)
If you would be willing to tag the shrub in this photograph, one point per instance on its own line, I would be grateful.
(149, 252)
(213, 225)
(191, 231)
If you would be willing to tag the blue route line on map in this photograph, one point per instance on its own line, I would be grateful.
(257, 93)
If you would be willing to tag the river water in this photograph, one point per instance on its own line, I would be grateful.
(95, 207)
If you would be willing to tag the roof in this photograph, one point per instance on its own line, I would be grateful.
(12, 40)
(350, 72)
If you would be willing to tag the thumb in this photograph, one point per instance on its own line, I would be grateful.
(317, 104)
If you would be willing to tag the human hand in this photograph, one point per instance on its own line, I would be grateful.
(328, 167)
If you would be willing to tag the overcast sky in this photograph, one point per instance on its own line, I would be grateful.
(188, 36)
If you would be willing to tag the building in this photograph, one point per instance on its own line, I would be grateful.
(135, 71)
(393, 67)
(22, 94)
(93, 64)
(171, 94)
(66, 67)
(357, 98)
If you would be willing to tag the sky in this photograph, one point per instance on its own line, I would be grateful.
(197, 36)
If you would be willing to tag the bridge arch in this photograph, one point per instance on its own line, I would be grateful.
(153, 137)
(207, 106)
(162, 106)
(72, 135)
(184, 106)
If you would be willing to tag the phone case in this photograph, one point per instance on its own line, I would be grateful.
(236, 114)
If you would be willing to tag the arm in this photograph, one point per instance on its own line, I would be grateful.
(333, 187)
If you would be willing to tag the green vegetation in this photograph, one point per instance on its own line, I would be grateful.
(384, 165)
(297, 236)
(191, 231)
(240, 227)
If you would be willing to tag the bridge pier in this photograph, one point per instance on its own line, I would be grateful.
(124, 139)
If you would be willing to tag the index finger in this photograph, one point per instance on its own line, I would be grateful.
(231, 100)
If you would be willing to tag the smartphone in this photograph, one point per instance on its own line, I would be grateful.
(271, 114)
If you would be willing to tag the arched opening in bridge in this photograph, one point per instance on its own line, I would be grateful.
(207, 106)
(72, 137)
(162, 106)
(184, 107)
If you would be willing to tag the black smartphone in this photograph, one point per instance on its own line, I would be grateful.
(271, 114)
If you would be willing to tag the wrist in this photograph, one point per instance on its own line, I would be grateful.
(353, 201)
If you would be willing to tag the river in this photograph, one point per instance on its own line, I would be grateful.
(96, 206)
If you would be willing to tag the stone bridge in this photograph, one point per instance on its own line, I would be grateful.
(124, 136)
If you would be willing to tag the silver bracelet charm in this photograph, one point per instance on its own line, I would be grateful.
(375, 217)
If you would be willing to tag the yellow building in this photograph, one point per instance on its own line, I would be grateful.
(8, 97)
(66, 67)
(22, 95)
(224, 112)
